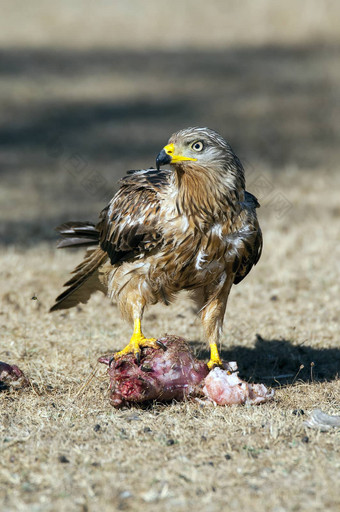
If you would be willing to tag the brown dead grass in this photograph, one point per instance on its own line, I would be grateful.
(275, 93)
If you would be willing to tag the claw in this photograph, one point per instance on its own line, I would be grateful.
(163, 347)
(111, 360)
(215, 364)
(138, 341)
(137, 354)
(146, 368)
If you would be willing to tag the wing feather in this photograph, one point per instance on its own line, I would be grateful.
(253, 245)
(130, 226)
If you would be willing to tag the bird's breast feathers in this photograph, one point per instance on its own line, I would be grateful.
(145, 230)
(195, 257)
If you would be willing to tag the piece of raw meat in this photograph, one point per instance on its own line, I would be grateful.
(11, 375)
(226, 388)
(174, 373)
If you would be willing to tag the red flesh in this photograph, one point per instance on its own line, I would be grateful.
(177, 374)
(11, 375)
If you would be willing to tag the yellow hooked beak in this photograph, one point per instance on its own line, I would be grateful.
(170, 150)
(167, 156)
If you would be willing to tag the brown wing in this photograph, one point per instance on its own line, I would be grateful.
(253, 243)
(129, 225)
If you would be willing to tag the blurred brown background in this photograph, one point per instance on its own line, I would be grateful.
(91, 89)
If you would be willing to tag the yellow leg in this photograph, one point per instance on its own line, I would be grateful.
(215, 359)
(137, 341)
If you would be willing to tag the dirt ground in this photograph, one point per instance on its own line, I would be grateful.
(89, 90)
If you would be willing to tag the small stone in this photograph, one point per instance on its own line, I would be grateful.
(298, 412)
(133, 417)
(97, 427)
(63, 459)
(305, 439)
(170, 442)
(125, 495)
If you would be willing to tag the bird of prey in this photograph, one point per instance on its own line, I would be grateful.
(190, 227)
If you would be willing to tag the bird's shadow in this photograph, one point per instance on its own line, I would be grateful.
(280, 362)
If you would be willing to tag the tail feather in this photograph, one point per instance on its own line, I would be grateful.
(77, 234)
(83, 283)
(86, 275)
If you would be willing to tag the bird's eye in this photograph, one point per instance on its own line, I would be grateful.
(197, 146)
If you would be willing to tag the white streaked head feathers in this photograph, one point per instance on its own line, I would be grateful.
(212, 152)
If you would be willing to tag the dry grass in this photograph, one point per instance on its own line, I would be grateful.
(110, 104)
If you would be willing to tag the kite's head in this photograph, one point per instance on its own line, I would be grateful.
(199, 147)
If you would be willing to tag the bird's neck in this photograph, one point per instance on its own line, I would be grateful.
(212, 196)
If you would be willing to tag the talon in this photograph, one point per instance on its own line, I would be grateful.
(137, 342)
(162, 346)
(111, 360)
(146, 368)
(214, 364)
(137, 354)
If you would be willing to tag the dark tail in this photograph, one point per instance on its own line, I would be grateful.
(86, 278)
(84, 282)
(77, 234)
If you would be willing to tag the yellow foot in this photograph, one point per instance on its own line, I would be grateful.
(213, 364)
(215, 359)
(137, 342)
